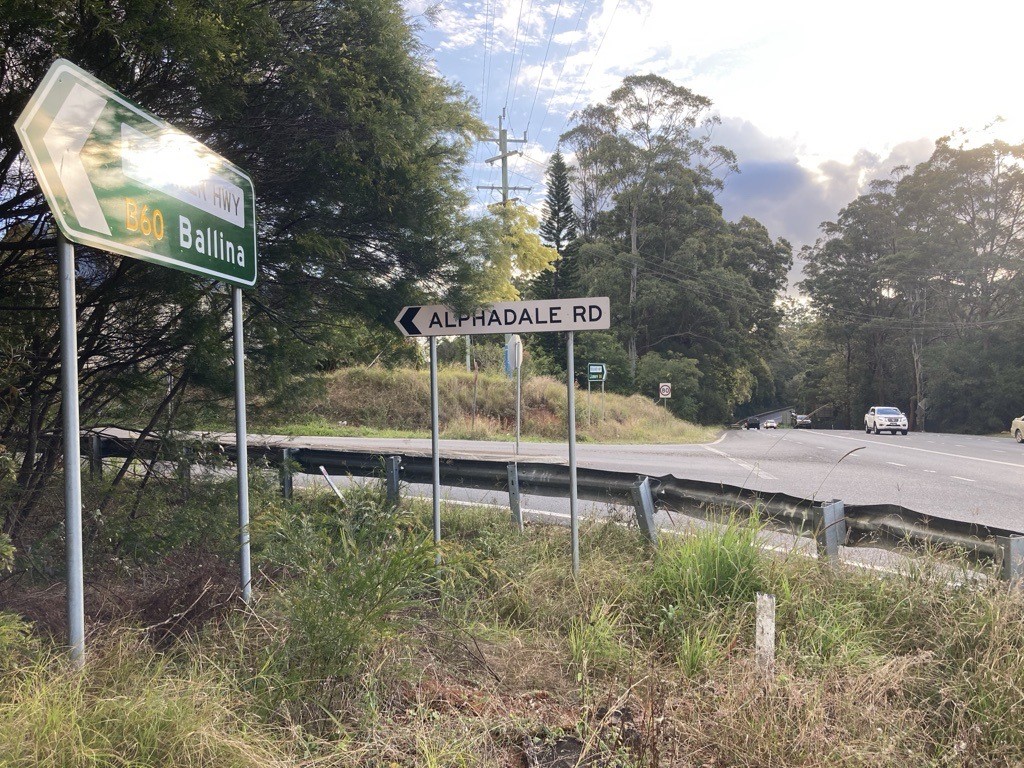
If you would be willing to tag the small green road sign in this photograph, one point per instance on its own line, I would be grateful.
(596, 372)
(120, 179)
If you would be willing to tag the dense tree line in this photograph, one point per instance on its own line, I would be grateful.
(917, 297)
(356, 148)
(694, 297)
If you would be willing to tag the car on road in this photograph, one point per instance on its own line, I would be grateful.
(1017, 429)
(752, 422)
(884, 418)
(769, 424)
(802, 421)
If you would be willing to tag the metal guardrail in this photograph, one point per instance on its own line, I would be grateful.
(831, 523)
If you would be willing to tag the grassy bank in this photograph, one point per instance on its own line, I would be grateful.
(359, 651)
(396, 403)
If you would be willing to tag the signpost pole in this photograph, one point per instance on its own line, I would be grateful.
(574, 523)
(72, 449)
(434, 449)
(241, 446)
(519, 398)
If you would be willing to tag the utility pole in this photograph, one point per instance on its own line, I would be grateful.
(502, 140)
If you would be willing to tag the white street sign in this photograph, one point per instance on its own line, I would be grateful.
(665, 390)
(541, 316)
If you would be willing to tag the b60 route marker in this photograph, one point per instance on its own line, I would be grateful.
(540, 316)
(120, 179)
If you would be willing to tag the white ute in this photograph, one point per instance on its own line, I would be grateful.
(882, 418)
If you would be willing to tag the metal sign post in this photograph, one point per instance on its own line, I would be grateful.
(72, 449)
(574, 522)
(595, 372)
(665, 392)
(241, 443)
(542, 316)
(434, 450)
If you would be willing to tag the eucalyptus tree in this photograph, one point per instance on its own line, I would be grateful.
(647, 129)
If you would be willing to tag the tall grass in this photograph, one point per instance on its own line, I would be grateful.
(359, 651)
(396, 402)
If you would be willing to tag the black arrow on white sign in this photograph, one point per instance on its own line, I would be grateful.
(406, 321)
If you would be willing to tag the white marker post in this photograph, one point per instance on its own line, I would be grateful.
(542, 316)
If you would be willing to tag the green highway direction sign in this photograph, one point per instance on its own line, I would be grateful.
(596, 372)
(120, 179)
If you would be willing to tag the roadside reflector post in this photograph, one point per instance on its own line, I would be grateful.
(574, 521)
(435, 450)
(1013, 557)
(643, 500)
(241, 447)
(513, 496)
(764, 634)
(830, 529)
(286, 473)
(72, 449)
(393, 469)
(185, 465)
(95, 457)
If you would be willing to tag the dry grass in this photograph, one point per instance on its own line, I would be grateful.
(396, 402)
(500, 657)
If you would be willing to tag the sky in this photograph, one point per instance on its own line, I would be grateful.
(815, 98)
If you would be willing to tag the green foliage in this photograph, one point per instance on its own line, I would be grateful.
(681, 373)
(355, 146)
(718, 565)
(346, 570)
(917, 288)
(683, 282)
(508, 246)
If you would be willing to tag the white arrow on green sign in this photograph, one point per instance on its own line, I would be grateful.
(118, 178)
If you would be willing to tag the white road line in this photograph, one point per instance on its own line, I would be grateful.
(965, 479)
(895, 464)
(932, 471)
(749, 467)
(937, 453)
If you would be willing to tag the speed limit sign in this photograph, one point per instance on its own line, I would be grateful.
(665, 391)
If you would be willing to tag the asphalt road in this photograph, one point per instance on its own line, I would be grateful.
(974, 479)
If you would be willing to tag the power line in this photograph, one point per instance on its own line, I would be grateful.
(565, 60)
(543, 65)
(522, 55)
(515, 44)
(593, 61)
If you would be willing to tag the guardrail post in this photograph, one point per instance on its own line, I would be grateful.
(392, 467)
(286, 473)
(513, 496)
(1013, 557)
(830, 528)
(95, 457)
(643, 500)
